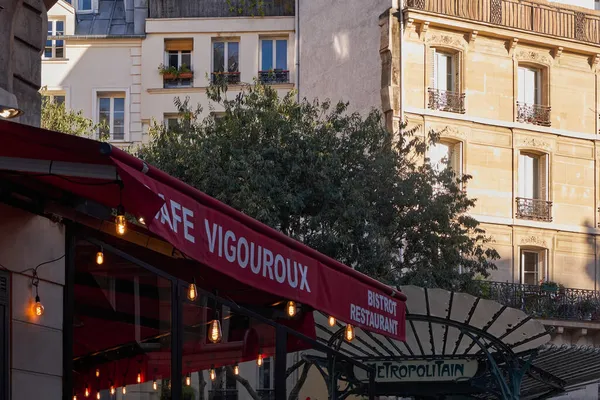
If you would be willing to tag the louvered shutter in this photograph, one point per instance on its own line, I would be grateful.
(543, 177)
(457, 73)
(456, 161)
(432, 68)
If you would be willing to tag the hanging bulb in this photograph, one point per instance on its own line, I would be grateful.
(120, 221)
(124, 390)
(213, 373)
(188, 380)
(139, 376)
(259, 360)
(97, 372)
(86, 392)
(38, 308)
(154, 385)
(141, 220)
(99, 257)
(112, 388)
(192, 292)
(236, 369)
(74, 397)
(291, 308)
(331, 321)
(349, 332)
(98, 395)
(215, 331)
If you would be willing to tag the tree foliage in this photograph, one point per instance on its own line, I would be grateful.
(334, 180)
(56, 117)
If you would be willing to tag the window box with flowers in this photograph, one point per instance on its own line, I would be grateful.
(173, 76)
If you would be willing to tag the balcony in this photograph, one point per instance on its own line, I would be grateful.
(533, 114)
(546, 301)
(529, 16)
(223, 394)
(274, 77)
(534, 209)
(444, 100)
(229, 78)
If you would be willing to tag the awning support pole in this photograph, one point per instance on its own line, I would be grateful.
(177, 341)
(280, 362)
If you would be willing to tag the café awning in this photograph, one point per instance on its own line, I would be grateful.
(199, 226)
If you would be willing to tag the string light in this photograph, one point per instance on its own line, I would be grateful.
(86, 392)
(120, 221)
(215, 330)
(154, 385)
(213, 373)
(100, 257)
(349, 332)
(192, 293)
(97, 372)
(139, 376)
(142, 221)
(236, 369)
(291, 308)
(112, 388)
(331, 321)
(74, 397)
(259, 360)
(188, 380)
(124, 390)
(98, 395)
(38, 307)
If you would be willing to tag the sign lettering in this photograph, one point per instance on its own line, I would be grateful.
(420, 370)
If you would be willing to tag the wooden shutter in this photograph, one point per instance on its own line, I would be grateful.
(456, 59)
(179, 44)
(521, 177)
(432, 68)
(456, 159)
(543, 177)
(4, 338)
(521, 85)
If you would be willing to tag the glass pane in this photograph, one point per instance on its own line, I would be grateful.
(186, 59)
(218, 57)
(233, 56)
(60, 49)
(85, 5)
(173, 58)
(122, 329)
(281, 61)
(443, 63)
(59, 99)
(439, 156)
(267, 55)
(50, 30)
(48, 49)
(119, 104)
(60, 28)
(104, 105)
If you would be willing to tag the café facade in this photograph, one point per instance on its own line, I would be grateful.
(119, 281)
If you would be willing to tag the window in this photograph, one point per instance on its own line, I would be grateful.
(531, 107)
(178, 58)
(226, 61)
(444, 72)
(444, 90)
(529, 85)
(84, 5)
(533, 195)
(55, 48)
(533, 266)
(273, 61)
(265, 376)
(444, 155)
(55, 98)
(111, 113)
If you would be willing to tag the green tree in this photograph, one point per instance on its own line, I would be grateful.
(56, 117)
(336, 181)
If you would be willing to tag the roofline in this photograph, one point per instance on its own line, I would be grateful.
(97, 37)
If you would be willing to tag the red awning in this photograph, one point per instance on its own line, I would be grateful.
(203, 228)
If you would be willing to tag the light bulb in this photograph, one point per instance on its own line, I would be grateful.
(38, 308)
(192, 292)
(291, 308)
(99, 258)
(331, 321)
(112, 389)
(154, 385)
(124, 390)
(121, 224)
(141, 220)
(97, 372)
(74, 397)
(259, 360)
(215, 331)
(139, 376)
(349, 332)
(188, 380)
(213, 374)
(86, 392)
(98, 395)
(236, 369)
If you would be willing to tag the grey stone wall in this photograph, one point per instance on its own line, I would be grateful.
(23, 34)
(219, 8)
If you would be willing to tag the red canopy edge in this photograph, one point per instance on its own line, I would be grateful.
(258, 226)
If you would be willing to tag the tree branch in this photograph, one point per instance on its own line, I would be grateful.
(296, 390)
(245, 384)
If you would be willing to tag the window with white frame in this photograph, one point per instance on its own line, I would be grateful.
(57, 98)
(84, 5)
(534, 266)
(178, 58)
(273, 60)
(530, 86)
(444, 155)
(533, 176)
(226, 60)
(111, 114)
(55, 48)
(445, 70)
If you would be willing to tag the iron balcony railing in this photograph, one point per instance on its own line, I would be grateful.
(444, 100)
(545, 301)
(223, 394)
(230, 78)
(266, 394)
(534, 209)
(533, 114)
(276, 76)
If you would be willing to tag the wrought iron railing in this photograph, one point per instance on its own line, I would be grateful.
(444, 100)
(223, 394)
(271, 77)
(533, 114)
(230, 78)
(534, 209)
(547, 300)
(542, 18)
(266, 394)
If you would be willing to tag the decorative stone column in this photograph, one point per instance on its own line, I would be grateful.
(389, 51)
